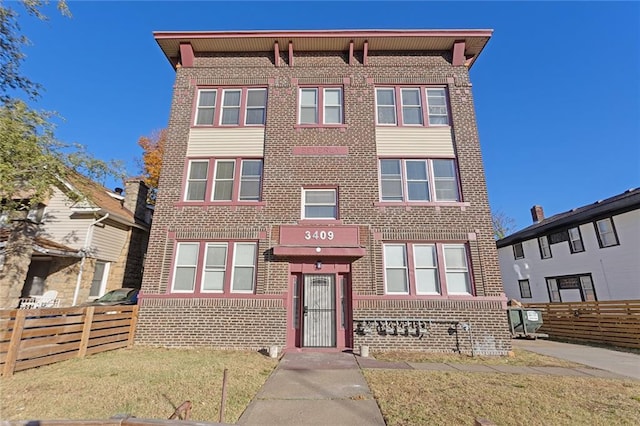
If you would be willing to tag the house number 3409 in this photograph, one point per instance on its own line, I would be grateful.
(318, 235)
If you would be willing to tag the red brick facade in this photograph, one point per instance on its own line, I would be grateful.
(265, 317)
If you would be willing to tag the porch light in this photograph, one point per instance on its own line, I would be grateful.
(318, 264)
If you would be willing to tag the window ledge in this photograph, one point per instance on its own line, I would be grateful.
(320, 126)
(228, 126)
(414, 126)
(319, 222)
(207, 204)
(421, 204)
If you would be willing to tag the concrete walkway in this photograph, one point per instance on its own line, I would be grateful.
(320, 388)
(621, 363)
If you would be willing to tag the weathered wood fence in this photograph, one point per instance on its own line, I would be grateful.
(34, 337)
(615, 322)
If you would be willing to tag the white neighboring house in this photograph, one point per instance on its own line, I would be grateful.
(588, 253)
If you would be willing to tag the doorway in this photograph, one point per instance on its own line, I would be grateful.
(319, 311)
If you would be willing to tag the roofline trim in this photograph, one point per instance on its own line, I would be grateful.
(167, 35)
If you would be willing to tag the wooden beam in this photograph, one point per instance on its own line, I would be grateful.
(365, 53)
(186, 55)
(351, 52)
(276, 54)
(290, 53)
(458, 53)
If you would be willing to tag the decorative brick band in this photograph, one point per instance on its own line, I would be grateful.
(321, 80)
(440, 304)
(410, 80)
(216, 302)
(232, 81)
(210, 234)
(422, 234)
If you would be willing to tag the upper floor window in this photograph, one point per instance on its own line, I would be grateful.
(545, 248)
(606, 232)
(231, 107)
(418, 180)
(214, 267)
(319, 204)
(412, 106)
(426, 269)
(320, 106)
(232, 180)
(518, 251)
(575, 240)
(525, 289)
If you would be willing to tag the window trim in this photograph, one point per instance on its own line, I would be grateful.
(541, 247)
(571, 246)
(230, 265)
(440, 267)
(424, 105)
(580, 286)
(613, 231)
(320, 106)
(515, 253)
(431, 182)
(188, 180)
(317, 189)
(210, 182)
(218, 107)
(522, 293)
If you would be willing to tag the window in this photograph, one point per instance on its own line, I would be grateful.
(572, 286)
(545, 249)
(418, 180)
(575, 240)
(196, 181)
(419, 106)
(320, 105)
(518, 251)
(232, 180)
(99, 280)
(207, 263)
(319, 204)
(525, 289)
(426, 269)
(606, 233)
(231, 107)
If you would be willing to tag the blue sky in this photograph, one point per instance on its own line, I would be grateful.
(557, 89)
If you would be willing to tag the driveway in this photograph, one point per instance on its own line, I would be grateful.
(623, 363)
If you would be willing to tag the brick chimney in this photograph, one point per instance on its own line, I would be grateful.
(135, 197)
(537, 214)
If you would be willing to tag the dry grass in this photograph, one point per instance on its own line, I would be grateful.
(520, 357)
(143, 382)
(413, 397)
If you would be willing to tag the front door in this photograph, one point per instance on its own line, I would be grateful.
(319, 311)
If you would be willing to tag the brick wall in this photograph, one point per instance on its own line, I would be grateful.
(355, 174)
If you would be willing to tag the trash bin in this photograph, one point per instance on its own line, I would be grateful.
(525, 322)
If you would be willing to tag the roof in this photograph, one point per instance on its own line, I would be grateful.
(43, 245)
(100, 197)
(621, 203)
(323, 41)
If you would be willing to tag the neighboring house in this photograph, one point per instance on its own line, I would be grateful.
(79, 245)
(588, 253)
(323, 189)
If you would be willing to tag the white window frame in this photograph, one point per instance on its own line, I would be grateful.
(250, 178)
(304, 203)
(205, 269)
(405, 268)
(432, 181)
(316, 105)
(572, 240)
(212, 107)
(545, 247)
(418, 107)
(434, 268)
(252, 266)
(190, 180)
(194, 266)
(465, 269)
(394, 105)
(216, 179)
(247, 107)
(103, 279)
(610, 231)
(229, 107)
(325, 105)
(446, 106)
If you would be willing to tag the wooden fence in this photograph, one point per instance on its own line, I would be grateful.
(615, 322)
(34, 337)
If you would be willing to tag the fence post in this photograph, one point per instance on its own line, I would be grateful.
(132, 326)
(14, 343)
(86, 331)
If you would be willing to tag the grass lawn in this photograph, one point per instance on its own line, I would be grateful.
(144, 382)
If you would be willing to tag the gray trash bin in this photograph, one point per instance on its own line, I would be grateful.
(525, 322)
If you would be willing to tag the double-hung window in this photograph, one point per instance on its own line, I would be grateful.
(518, 251)
(411, 106)
(319, 204)
(575, 240)
(224, 180)
(545, 248)
(525, 289)
(414, 180)
(425, 269)
(240, 106)
(203, 267)
(606, 232)
(320, 106)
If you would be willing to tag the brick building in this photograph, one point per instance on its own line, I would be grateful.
(323, 189)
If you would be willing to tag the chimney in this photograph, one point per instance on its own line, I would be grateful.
(537, 214)
(135, 197)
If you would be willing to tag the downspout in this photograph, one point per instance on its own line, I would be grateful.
(84, 251)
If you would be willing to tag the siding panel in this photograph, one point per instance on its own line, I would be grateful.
(107, 243)
(218, 142)
(415, 141)
(58, 225)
